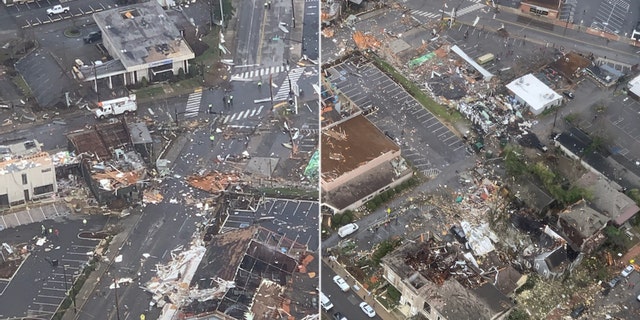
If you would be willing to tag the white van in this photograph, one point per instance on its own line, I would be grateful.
(347, 230)
(325, 302)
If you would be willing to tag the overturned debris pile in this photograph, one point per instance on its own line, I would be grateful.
(365, 41)
(170, 286)
(213, 182)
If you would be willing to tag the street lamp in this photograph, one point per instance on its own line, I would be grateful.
(115, 287)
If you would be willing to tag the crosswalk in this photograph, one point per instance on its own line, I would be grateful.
(447, 12)
(253, 74)
(283, 91)
(193, 104)
(242, 115)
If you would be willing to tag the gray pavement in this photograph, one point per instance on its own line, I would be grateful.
(37, 288)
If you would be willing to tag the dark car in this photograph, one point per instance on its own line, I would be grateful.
(577, 311)
(459, 234)
(569, 94)
(339, 316)
(542, 147)
(92, 37)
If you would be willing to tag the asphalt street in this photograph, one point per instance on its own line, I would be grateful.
(162, 228)
(38, 288)
(310, 34)
(347, 303)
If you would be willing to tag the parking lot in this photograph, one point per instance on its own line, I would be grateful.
(39, 286)
(611, 16)
(33, 13)
(425, 141)
(295, 219)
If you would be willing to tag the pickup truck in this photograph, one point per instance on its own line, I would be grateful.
(57, 9)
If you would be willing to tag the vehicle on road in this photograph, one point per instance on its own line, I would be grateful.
(325, 302)
(347, 230)
(627, 271)
(339, 316)
(366, 308)
(92, 37)
(344, 286)
(577, 311)
(568, 94)
(110, 108)
(57, 9)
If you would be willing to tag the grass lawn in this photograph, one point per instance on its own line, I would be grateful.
(442, 112)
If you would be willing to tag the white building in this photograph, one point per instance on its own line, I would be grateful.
(26, 173)
(144, 43)
(532, 92)
(634, 87)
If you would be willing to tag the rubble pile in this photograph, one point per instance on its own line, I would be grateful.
(365, 41)
(213, 182)
(152, 196)
(170, 287)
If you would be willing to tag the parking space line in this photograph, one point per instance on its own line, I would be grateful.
(53, 289)
(46, 304)
(438, 129)
(453, 136)
(433, 124)
(50, 297)
(422, 115)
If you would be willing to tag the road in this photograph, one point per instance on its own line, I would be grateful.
(310, 29)
(347, 303)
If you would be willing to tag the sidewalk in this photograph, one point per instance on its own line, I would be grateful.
(381, 311)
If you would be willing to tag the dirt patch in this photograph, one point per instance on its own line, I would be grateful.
(8, 268)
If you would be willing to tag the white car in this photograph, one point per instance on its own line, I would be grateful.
(366, 308)
(627, 271)
(344, 286)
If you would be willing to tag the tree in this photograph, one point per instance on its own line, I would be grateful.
(518, 314)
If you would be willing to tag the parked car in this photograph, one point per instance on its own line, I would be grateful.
(339, 316)
(614, 282)
(542, 147)
(627, 271)
(344, 286)
(57, 9)
(577, 311)
(366, 308)
(92, 37)
(569, 94)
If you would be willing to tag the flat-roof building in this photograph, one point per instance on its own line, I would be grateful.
(26, 173)
(533, 93)
(144, 43)
(358, 162)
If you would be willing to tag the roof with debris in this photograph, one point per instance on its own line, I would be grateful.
(608, 198)
(532, 195)
(508, 280)
(570, 64)
(533, 91)
(20, 149)
(139, 133)
(213, 182)
(580, 222)
(350, 144)
(101, 139)
(431, 276)
(261, 263)
(41, 159)
(634, 86)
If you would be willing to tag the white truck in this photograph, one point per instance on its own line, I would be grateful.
(116, 107)
(57, 9)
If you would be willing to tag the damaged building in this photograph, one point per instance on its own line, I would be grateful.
(111, 167)
(26, 173)
(268, 272)
(358, 163)
(440, 281)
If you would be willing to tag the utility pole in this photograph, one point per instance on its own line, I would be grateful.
(222, 16)
(95, 78)
(293, 14)
(115, 283)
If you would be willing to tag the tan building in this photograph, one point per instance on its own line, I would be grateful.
(144, 43)
(26, 173)
(545, 8)
(443, 284)
(358, 162)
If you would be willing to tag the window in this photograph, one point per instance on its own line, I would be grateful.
(24, 178)
(43, 189)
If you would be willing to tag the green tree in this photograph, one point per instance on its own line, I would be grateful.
(518, 314)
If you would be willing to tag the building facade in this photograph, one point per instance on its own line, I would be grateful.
(26, 174)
